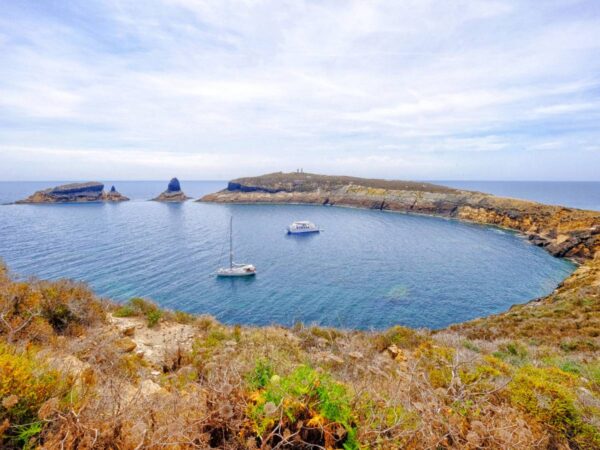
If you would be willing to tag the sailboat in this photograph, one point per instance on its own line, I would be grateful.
(234, 269)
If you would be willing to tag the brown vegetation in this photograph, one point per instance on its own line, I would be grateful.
(76, 373)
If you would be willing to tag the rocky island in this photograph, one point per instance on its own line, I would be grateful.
(173, 193)
(564, 232)
(75, 193)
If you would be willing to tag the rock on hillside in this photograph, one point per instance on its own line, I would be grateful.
(173, 193)
(75, 193)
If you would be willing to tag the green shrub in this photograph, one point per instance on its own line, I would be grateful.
(153, 316)
(260, 375)
(140, 307)
(513, 352)
(183, 317)
(25, 385)
(402, 337)
(549, 395)
(591, 371)
(124, 311)
(469, 345)
(306, 398)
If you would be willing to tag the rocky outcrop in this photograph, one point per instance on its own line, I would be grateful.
(564, 232)
(75, 193)
(113, 196)
(173, 193)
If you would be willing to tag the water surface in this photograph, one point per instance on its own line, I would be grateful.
(368, 269)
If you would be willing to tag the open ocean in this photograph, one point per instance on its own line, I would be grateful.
(368, 269)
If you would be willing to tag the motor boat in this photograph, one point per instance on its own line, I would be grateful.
(302, 226)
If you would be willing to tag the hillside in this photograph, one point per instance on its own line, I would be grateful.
(79, 372)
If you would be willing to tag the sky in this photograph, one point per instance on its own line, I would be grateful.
(405, 89)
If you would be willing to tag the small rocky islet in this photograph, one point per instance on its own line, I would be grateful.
(76, 193)
(93, 191)
(173, 193)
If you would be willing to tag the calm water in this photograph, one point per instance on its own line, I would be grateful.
(575, 194)
(368, 269)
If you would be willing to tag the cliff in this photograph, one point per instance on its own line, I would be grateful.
(173, 193)
(75, 193)
(564, 232)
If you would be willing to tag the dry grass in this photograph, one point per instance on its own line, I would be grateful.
(97, 386)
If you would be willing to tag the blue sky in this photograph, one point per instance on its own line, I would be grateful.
(218, 89)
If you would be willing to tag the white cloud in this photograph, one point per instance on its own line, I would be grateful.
(223, 88)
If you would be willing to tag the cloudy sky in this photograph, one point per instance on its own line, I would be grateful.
(420, 89)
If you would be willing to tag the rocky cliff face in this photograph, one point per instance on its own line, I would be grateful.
(173, 193)
(564, 232)
(75, 193)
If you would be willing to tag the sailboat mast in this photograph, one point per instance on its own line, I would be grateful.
(231, 242)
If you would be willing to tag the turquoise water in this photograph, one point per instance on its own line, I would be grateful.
(368, 269)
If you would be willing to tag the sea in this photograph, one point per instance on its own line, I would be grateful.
(365, 270)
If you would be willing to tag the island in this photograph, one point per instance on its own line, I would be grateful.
(173, 193)
(564, 232)
(75, 193)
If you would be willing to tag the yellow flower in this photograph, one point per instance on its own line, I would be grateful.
(316, 421)
(256, 396)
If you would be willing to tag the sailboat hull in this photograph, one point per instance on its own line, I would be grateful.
(240, 271)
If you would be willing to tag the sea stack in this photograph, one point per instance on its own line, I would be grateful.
(113, 196)
(173, 193)
(91, 191)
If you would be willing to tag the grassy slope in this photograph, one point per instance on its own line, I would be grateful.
(82, 373)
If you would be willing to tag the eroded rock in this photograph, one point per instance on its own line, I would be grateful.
(173, 193)
(75, 193)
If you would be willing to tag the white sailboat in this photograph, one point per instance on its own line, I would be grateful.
(235, 269)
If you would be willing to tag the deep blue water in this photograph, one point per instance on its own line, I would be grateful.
(575, 194)
(368, 269)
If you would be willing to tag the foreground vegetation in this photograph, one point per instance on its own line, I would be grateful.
(79, 372)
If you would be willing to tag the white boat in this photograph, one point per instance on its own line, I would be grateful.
(302, 226)
(235, 269)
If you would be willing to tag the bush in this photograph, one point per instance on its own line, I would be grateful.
(39, 310)
(260, 376)
(513, 352)
(25, 385)
(140, 307)
(153, 317)
(402, 337)
(548, 394)
(309, 402)
(124, 311)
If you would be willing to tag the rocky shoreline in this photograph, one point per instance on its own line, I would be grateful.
(563, 232)
(75, 193)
